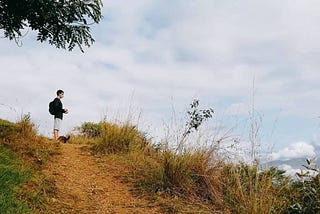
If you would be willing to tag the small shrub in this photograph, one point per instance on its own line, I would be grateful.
(7, 130)
(246, 190)
(113, 138)
(26, 128)
(307, 190)
(90, 130)
(195, 119)
(191, 174)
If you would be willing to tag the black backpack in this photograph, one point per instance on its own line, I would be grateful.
(51, 108)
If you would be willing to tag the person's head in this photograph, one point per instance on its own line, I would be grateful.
(60, 94)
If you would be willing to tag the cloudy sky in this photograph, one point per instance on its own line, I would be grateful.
(153, 57)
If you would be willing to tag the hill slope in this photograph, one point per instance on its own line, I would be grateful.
(134, 176)
(88, 184)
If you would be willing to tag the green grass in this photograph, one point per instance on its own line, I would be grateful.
(13, 174)
(23, 153)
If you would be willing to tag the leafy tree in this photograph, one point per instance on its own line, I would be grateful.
(63, 23)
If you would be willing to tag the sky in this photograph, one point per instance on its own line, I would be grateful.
(151, 58)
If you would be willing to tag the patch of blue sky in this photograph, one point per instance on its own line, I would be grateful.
(160, 16)
(281, 71)
(275, 128)
(229, 111)
(151, 25)
(105, 31)
(148, 57)
(282, 130)
(110, 67)
(106, 96)
(261, 52)
(27, 41)
(186, 55)
(224, 102)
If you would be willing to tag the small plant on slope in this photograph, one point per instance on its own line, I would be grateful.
(187, 172)
(307, 199)
(196, 118)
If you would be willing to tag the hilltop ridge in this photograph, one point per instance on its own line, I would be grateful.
(114, 168)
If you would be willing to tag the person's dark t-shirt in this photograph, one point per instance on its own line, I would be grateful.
(58, 108)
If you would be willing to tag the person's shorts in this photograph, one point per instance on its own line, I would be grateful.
(57, 124)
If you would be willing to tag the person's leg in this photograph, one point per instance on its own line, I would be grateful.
(56, 128)
(55, 134)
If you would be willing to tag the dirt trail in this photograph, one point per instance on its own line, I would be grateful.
(88, 184)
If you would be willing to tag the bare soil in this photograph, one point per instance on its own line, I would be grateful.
(89, 184)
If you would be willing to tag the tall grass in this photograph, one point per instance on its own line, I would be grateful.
(199, 179)
(246, 190)
(113, 138)
(22, 138)
(195, 175)
(189, 174)
(200, 176)
(22, 155)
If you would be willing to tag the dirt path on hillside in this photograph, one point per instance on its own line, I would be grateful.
(88, 184)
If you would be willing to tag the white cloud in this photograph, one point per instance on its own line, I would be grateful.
(237, 109)
(162, 51)
(295, 150)
(226, 43)
(290, 171)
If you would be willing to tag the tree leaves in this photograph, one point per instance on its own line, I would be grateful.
(63, 23)
(197, 116)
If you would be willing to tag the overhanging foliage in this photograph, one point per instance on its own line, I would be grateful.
(63, 23)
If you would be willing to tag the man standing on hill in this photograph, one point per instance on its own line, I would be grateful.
(58, 113)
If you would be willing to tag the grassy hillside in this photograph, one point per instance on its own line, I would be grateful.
(13, 174)
(22, 155)
(177, 181)
(175, 178)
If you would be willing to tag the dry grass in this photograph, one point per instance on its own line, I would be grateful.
(246, 190)
(31, 151)
(184, 181)
(188, 176)
(191, 175)
(112, 138)
(22, 138)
